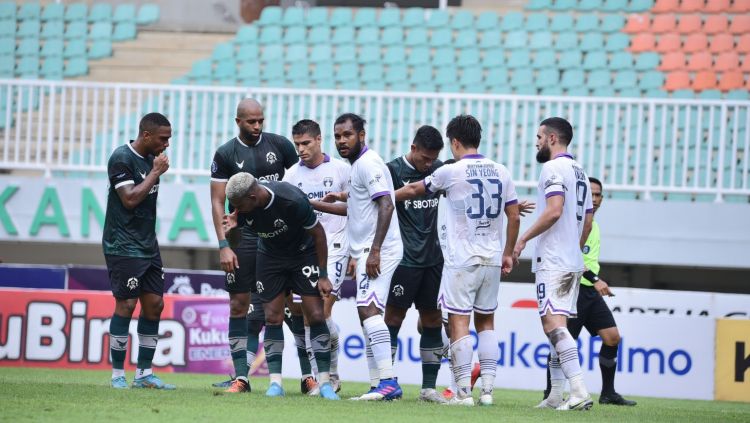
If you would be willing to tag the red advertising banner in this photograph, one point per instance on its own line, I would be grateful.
(70, 329)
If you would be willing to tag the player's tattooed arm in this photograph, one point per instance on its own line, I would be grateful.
(318, 235)
(132, 195)
(338, 208)
(411, 191)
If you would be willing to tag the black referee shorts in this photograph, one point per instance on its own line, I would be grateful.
(593, 313)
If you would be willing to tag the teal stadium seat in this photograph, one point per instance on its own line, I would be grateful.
(587, 23)
(561, 23)
(519, 59)
(101, 31)
(647, 61)
(566, 41)
(319, 34)
(7, 10)
(28, 29)
(547, 78)
(341, 17)
(296, 53)
(28, 67)
(7, 28)
(445, 76)
(201, 69)
(572, 59)
(389, 17)
(564, 5)
(487, 21)
(438, 19)
(595, 60)
(6, 69)
(394, 54)
(29, 11)
(640, 5)
(416, 37)
(441, 37)
(317, 16)
(7, 48)
(53, 30)
(28, 47)
(738, 95)
(490, 38)
(76, 12)
(365, 17)
(345, 54)
(540, 40)
(100, 12)
(273, 71)
(52, 48)
(147, 14)
(396, 73)
(427, 87)
(225, 69)
(592, 42)
(124, 31)
(53, 12)
(589, 5)
(368, 35)
(293, 17)
(578, 91)
(124, 13)
(100, 49)
(444, 56)
(421, 74)
(272, 52)
(572, 79)
(515, 39)
(296, 34)
(414, 17)
(493, 57)
(652, 80)
(466, 38)
(537, 22)
(603, 92)
(271, 34)
(246, 34)
(544, 59)
(614, 6)
(612, 23)
(76, 30)
(462, 19)
(399, 86)
(653, 93)
(323, 71)
(321, 53)
(248, 52)
(539, 4)
(372, 73)
(468, 57)
(497, 76)
(393, 36)
(633, 93)
(248, 70)
(75, 48)
(76, 67)
(270, 16)
(521, 78)
(625, 79)
(471, 77)
(599, 79)
(622, 60)
(512, 21)
(419, 56)
(343, 35)
(552, 91)
(617, 42)
(374, 86)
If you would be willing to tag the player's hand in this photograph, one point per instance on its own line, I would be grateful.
(333, 197)
(372, 265)
(161, 164)
(229, 222)
(507, 266)
(325, 287)
(525, 207)
(520, 245)
(603, 288)
(228, 260)
(351, 267)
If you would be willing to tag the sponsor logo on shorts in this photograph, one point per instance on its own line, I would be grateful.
(132, 283)
(398, 290)
(259, 287)
(230, 278)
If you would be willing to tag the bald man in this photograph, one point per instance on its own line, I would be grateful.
(266, 156)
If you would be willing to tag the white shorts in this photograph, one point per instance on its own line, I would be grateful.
(336, 274)
(557, 292)
(374, 290)
(467, 289)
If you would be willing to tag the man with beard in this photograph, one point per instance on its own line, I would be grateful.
(563, 225)
(266, 156)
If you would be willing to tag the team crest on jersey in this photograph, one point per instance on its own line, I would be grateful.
(278, 223)
(327, 182)
(259, 287)
(398, 290)
(271, 157)
(214, 167)
(132, 283)
(230, 278)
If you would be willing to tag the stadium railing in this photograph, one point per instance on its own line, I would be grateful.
(641, 148)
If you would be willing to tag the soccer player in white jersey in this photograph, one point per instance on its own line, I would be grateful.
(562, 226)
(374, 242)
(478, 192)
(317, 174)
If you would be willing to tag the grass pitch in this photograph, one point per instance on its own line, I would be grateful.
(80, 396)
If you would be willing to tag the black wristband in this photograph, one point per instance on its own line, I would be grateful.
(590, 276)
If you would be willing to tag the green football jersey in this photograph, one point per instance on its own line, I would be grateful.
(417, 218)
(591, 253)
(130, 233)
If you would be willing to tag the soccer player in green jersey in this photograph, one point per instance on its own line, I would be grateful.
(593, 312)
(131, 250)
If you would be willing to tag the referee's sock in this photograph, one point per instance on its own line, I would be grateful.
(608, 366)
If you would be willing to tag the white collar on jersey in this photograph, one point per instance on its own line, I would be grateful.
(133, 150)
(273, 196)
(407, 162)
(247, 146)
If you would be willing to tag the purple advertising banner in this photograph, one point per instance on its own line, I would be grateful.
(30, 276)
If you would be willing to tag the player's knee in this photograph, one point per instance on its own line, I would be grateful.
(557, 334)
(315, 317)
(274, 317)
(125, 308)
(238, 306)
(394, 316)
(611, 338)
(431, 318)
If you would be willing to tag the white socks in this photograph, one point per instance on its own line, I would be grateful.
(489, 353)
(380, 343)
(462, 353)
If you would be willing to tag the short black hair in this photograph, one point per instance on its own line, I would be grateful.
(561, 127)
(449, 161)
(152, 121)
(306, 126)
(358, 123)
(429, 138)
(466, 129)
(596, 181)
